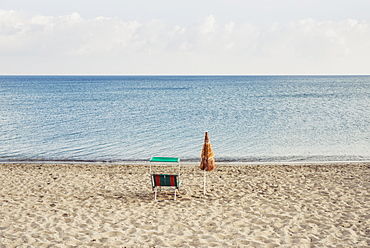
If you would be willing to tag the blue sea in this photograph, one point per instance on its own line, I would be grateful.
(132, 118)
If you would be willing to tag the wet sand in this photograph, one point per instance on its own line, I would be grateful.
(246, 205)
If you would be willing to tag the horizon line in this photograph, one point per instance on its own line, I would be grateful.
(183, 75)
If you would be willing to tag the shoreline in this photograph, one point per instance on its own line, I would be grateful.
(183, 161)
(256, 205)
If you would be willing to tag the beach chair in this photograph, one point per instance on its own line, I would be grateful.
(164, 180)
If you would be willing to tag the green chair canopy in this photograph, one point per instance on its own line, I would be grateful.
(164, 159)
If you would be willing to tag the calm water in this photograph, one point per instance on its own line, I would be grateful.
(249, 118)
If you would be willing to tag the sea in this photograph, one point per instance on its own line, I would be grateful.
(133, 118)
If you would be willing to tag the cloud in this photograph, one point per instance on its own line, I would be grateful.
(206, 44)
(313, 39)
(68, 35)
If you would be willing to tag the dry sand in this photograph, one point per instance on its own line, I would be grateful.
(87, 205)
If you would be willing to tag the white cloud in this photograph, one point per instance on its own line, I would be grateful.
(328, 39)
(112, 46)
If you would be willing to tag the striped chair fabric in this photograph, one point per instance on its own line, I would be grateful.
(164, 180)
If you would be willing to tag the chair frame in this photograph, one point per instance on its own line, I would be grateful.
(161, 180)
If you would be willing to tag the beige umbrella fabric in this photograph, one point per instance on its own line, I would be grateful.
(207, 162)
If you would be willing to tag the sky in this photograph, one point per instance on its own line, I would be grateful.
(184, 37)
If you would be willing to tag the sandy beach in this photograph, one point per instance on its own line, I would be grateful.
(246, 205)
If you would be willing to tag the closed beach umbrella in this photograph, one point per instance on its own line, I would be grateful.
(207, 162)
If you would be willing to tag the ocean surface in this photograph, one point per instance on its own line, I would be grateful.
(125, 118)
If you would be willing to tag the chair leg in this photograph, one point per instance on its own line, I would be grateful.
(175, 194)
(155, 193)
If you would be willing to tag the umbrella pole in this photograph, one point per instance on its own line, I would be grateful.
(204, 187)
